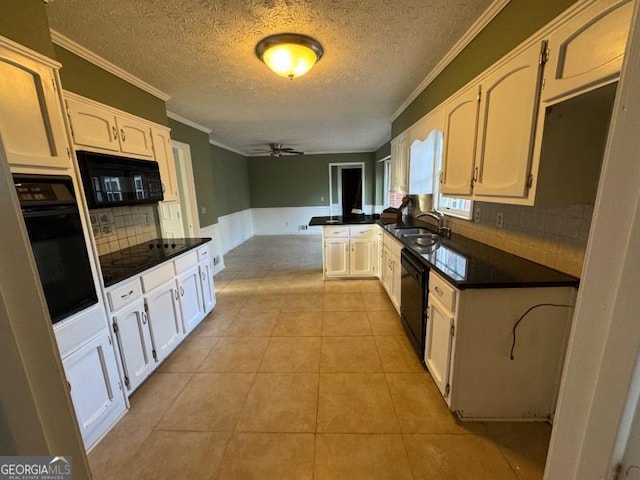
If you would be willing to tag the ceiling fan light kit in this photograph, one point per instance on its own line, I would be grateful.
(289, 55)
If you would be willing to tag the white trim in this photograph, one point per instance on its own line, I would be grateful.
(486, 17)
(27, 52)
(235, 229)
(89, 56)
(226, 147)
(211, 231)
(186, 121)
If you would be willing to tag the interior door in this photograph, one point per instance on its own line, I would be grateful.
(506, 131)
(630, 468)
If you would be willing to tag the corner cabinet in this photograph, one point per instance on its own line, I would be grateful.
(468, 346)
(31, 119)
(349, 251)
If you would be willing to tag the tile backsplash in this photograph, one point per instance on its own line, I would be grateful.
(555, 236)
(121, 227)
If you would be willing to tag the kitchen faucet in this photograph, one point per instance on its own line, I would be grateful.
(442, 230)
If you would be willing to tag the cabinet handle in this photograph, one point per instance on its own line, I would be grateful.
(177, 297)
(441, 176)
(202, 276)
(115, 133)
(181, 292)
(127, 294)
(144, 318)
(438, 291)
(122, 135)
(163, 188)
(475, 174)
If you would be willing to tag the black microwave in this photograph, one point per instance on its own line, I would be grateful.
(111, 181)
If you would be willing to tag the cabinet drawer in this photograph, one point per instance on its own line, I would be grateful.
(357, 232)
(157, 277)
(124, 294)
(186, 261)
(336, 232)
(444, 292)
(203, 253)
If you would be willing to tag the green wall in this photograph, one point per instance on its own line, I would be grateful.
(25, 22)
(231, 181)
(89, 80)
(300, 181)
(515, 23)
(203, 173)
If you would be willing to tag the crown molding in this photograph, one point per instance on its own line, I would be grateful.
(27, 52)
(226, 147)
(488, 15)
(186, 121)
(89, 56)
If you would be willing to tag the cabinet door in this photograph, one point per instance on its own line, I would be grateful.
(507, 119)
(208, 290)
(438, 345)
(31, 121)
(95, 390)
(163, 154)
(135, 137)
(589, 49)
(164, 319)
(399, 163)
(461, 125)
(134, 339)
(362, 256)
(396, 270)
(336, 255)
(92, 126)
(191, 303)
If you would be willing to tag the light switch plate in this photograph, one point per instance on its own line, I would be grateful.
(500, 220)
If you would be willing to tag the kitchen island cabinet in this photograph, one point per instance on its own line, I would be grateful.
(349, 251)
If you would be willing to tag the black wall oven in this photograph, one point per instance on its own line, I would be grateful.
(111, 181)
(413, 300)
(53, 223)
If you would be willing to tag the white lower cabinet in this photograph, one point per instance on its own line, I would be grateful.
(439, 344)
(131, 327)
(391, 268)
(191, 302)
(469, 343)
(92, 374)
(152, 312)
(164, 318)
(350, 251)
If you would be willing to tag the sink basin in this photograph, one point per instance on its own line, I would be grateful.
(425, 241)
(405, 232)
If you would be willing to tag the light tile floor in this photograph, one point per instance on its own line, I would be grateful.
(292, 377)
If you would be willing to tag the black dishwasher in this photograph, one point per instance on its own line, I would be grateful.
(413, 299)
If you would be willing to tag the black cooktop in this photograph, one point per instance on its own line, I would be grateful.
(122, 264)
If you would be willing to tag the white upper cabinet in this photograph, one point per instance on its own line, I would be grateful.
(31, 120)
(461, 125)
(135, 137)
(163, 154)
(588, 50)
(506, 126)
(92, 126)
(400, 163)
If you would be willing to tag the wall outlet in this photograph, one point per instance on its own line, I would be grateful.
(476, 214)
(322, 199)
(203, 210)
(500, 220)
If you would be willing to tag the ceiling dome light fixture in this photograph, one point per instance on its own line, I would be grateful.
(289, 55)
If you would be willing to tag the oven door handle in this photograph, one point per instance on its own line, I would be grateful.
(49, 212)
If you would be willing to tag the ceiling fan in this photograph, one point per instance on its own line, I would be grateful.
(277, 150)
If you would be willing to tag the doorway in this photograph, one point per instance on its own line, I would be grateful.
(346, 188)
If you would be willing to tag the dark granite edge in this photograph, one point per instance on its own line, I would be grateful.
(338, 220)
(410, 222)
(199, 241)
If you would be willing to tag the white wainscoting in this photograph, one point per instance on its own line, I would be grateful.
(235, 229)
(213, 232)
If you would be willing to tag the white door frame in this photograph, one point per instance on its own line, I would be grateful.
(599, 390)
(189, 190)
(340, 167)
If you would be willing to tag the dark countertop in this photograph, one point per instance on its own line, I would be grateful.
(470, 264)
(339, 220)
(122, 264)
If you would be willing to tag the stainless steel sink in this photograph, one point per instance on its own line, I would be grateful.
(406, 232)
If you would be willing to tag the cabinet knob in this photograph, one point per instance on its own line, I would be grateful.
(122, 135)
(181, 292)
(438, 291)
(115, 133)
(144, 318)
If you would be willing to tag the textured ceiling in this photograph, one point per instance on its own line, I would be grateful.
(201, 53)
